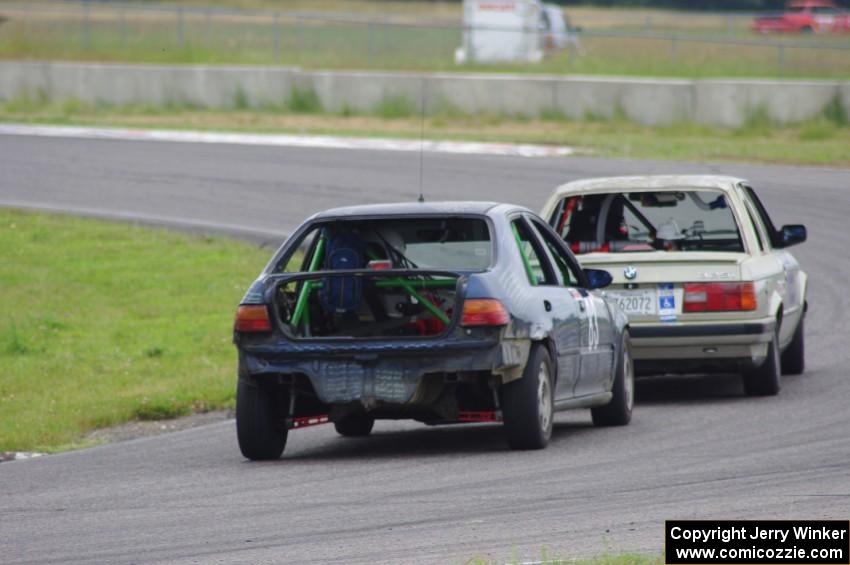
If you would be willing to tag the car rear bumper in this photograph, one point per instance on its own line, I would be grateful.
(373, 375)
(745, 341)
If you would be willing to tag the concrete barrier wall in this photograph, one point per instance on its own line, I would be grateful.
(647, 101)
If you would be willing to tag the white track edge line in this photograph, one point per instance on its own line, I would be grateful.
(286, 140)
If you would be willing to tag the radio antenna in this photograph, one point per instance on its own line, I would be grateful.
(422, 139)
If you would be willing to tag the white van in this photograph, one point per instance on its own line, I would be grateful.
(510, 31)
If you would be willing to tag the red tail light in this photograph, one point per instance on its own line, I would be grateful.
(719, 297)
(484, 312)
(252, 318)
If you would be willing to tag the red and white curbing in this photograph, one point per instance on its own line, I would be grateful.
(285, 140)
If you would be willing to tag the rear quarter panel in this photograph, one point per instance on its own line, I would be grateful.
(531, 322)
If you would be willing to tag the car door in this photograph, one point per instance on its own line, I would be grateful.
(560, 308)
(786, 273)
(596, 339)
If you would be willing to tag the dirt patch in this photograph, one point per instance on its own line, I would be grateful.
(133, 430)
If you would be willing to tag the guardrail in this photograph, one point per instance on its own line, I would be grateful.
(728, 103)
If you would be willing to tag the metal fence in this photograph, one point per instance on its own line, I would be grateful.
(651, 43)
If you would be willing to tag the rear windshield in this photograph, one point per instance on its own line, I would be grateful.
(453, 244)
(686, 220)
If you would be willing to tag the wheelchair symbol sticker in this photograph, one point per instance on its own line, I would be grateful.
(666, 302)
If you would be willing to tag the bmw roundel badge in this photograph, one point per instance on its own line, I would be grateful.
(630, 273)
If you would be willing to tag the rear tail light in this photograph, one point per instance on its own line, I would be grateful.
(719, 297)
(484, 312)
(252, 318)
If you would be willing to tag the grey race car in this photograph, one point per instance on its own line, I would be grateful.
(441, 313)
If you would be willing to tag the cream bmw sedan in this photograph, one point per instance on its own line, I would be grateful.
(699, 268)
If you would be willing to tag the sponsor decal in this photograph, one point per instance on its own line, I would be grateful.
(497, 6)
(592, 324)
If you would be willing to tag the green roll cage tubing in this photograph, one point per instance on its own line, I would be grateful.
(302, 313)
(526, 263)
(301, 304)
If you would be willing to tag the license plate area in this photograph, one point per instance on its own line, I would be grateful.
(638, 302)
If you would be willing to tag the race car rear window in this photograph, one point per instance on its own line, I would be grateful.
(453, 244)
(670, 220)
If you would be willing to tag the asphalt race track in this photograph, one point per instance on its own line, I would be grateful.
(697, 448)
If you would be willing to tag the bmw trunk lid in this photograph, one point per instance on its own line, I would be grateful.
(663, 266)
(649, 286)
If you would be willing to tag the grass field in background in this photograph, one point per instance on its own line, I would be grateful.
(589, 17)
(823, 141)
(380, 7)
(104, 323)
(194, 36)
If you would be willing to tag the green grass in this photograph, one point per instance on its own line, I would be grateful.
(195, 37)
(303, 101)
(394, 107)
(104, 323)
(445, 8)
(822, 141)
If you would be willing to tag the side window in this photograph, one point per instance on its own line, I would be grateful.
(563, 262)
(295, 262)
(536, 264)
(772, 234)
(756, 227)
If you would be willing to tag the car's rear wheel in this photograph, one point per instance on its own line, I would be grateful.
(260, 420)
(618, 412)
(794, 357)
(355, 425)
(764, 380)
(528, 403)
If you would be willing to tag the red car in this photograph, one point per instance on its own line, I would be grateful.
(805, 16)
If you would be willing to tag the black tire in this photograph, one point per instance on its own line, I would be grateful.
(260, 421)
(527, 403)
(355, 425)
(764, 380)
(618, 412)
(807, 30)
(794, 357)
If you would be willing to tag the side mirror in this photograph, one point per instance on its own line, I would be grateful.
(792, 235)
(597, 278)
